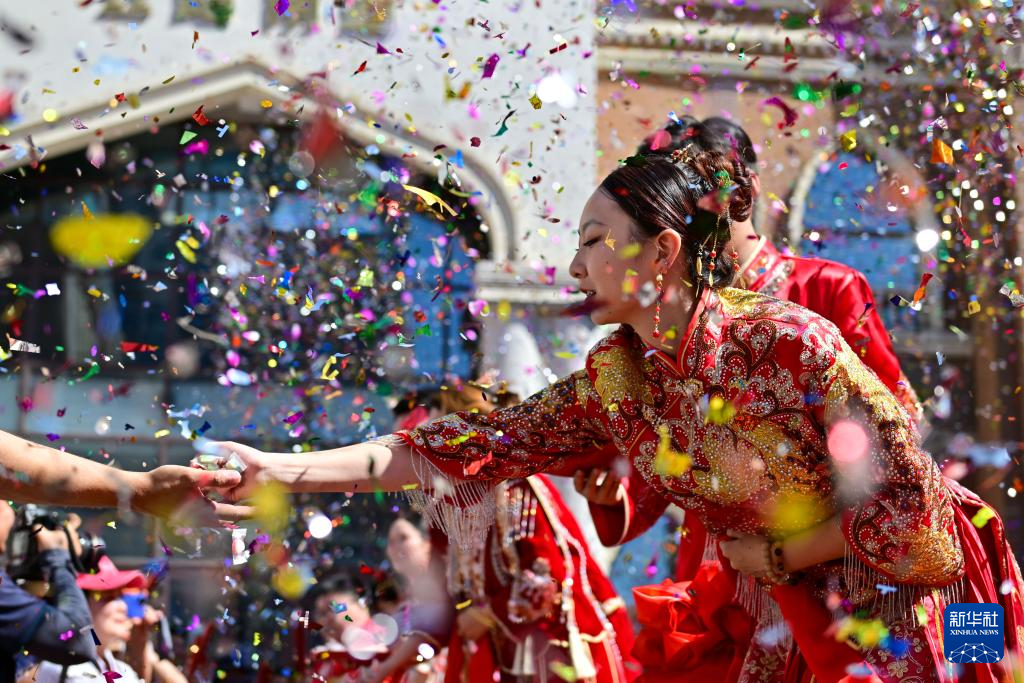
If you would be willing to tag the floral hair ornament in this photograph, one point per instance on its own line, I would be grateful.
(715, 201)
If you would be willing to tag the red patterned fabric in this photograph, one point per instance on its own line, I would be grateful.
(838, 293)
(781, 377)
(833, 290)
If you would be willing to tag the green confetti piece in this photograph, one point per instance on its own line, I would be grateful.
(564, 671)
(186, 136)
(504, 126)
(93, 371)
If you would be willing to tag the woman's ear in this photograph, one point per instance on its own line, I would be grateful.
(669, 243)
(755, 185)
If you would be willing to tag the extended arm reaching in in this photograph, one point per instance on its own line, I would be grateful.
(33, 473)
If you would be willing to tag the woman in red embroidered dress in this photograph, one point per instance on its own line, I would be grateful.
(749, 411)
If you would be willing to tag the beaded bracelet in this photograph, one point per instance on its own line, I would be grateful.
(776, 564)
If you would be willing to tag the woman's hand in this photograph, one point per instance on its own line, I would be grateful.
(746, 553)
(139, 651)
(229, 456)
(600, 486)
(475, 622)
(178, 494)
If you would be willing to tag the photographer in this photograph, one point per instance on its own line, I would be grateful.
(59, 632)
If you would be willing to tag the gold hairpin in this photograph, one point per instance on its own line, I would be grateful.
(680, 155)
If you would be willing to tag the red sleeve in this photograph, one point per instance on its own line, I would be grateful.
(462, 456)
(557, 431)
(851, 306)
(896, 513)
(854, 312)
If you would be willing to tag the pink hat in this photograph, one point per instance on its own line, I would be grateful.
(110, 578)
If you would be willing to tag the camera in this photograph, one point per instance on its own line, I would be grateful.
(23, 548)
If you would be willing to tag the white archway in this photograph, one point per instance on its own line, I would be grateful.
(921, 216)
(920, 213)
(236, 90)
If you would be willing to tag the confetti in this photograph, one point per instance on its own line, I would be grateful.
(789, 115)
(490, 65)
(24, 346)
(941, 152)
(982, 517)
(669, 462)
(430, 198)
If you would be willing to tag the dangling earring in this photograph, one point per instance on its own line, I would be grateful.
(714, 247)
(660, 284)
(711, 263)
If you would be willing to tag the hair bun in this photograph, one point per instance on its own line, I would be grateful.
(726, 172)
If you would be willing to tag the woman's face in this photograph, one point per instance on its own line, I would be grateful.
(110, 618)
(408, 549)
(614, 270)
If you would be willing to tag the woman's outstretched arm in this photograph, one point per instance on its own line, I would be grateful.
(557, 430)
(381, 465)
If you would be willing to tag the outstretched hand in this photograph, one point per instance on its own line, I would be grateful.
(178, 494)
(230, 456)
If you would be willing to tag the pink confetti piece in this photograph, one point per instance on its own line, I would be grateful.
(200, 147)
(789, 115)
(281, 6)
(660, 140)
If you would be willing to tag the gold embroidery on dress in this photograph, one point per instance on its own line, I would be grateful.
(618, 377)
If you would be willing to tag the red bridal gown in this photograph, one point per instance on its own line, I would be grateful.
(833, 290)
(736, 430)
(554, 605)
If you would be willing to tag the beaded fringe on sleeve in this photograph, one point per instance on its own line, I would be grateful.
(462, 510)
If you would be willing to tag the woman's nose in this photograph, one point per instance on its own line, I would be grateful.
(576, 268)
